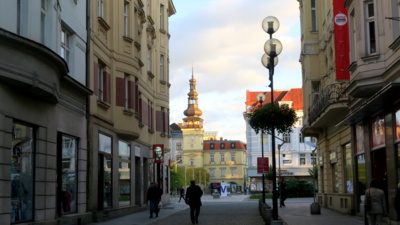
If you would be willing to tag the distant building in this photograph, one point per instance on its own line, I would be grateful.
(192, 147)
(226, 162)
(293, 151)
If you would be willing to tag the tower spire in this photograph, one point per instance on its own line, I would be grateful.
(193, 112)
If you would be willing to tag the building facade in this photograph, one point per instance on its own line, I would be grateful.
(129, 108)
(43, 128)
(85, 102)
(191, 149)
(294, 152)
(357, 126)
(226, 162)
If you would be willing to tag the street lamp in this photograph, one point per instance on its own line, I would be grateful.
(261, 98)
(272, 48)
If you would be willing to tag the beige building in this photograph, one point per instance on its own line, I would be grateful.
(358, 125)
(129, 110)
(325, 105)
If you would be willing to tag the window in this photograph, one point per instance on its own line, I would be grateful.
(140, 107)
(137, 96)
(212, 146)
(233, 156)
(233, 145)
(212, 172)
(335, 177)
(302, 159)
(104, 143)
(314, 158)
(22, 173)
(223, 172)
(162, 17)
(148, 59)
(233, 172)
(100, 6)
(126, 91)
(64, 52)
(353, 37)
(314, 25)
(222, 145)
(192, 162)
(286, 138)
(126, 19)
(348, 169)
(178, 158)
(211, 157)
(179, 146)
(19, 17)
(101, 82)
(124, 174)
(301, 138)
(161, 67)
(370, 27)
(150, 113)
(222, 157)
(69, 173)
(43, 12)
(163, 120)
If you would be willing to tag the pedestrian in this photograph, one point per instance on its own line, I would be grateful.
(182, 194)
(377, 207)
(193, 199)
(397, 202)
(154, 197)
(283, 191)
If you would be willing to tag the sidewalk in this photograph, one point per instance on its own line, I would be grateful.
(298, 212)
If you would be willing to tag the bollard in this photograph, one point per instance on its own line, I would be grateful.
(315, 208)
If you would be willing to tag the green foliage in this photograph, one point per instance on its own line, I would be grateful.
(297, 188)
(178, 177)
(313, 172)
(273, 116)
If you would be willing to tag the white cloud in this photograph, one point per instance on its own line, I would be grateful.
(224, 40)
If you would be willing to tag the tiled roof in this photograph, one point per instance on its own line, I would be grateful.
(295, 95)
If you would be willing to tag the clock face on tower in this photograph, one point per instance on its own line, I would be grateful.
(191, 139)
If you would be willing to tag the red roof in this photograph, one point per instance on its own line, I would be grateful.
(295, 95)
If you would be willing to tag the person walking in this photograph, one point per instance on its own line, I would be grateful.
(397, 202)
(154, 196)
(193, 199)
(181, 194)
(283, 191)
(377, 203)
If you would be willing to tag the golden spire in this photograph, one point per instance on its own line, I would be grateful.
(193, 107)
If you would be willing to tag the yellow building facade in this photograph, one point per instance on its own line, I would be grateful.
(192, 149)
(129, 110)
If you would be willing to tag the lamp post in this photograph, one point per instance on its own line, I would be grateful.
(272, 48)
(261, 99)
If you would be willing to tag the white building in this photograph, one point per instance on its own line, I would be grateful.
(293, 151)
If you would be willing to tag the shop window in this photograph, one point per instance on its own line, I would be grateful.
(69, 175)
(348, 169)
(124, 179)
(105, 150)
(22, 173)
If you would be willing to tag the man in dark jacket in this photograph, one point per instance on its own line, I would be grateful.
(193, 195)
(154, 196)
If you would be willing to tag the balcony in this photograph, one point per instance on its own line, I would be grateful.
(328, 106)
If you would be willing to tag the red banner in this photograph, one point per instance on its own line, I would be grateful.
(158, 153)
(262, 165)
(341, 35)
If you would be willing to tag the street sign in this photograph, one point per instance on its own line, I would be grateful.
(262, 165)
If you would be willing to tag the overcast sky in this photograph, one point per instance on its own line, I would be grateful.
(224, 41)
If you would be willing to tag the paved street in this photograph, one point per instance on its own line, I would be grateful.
(237, 210)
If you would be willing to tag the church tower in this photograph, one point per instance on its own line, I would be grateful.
(192, 130)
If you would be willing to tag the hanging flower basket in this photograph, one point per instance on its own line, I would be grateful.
(273, 116)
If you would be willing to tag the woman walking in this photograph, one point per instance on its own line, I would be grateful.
(377, 205)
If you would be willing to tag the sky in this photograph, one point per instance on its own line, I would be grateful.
(223, 41)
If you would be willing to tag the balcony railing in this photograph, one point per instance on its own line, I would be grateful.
(331, 94)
